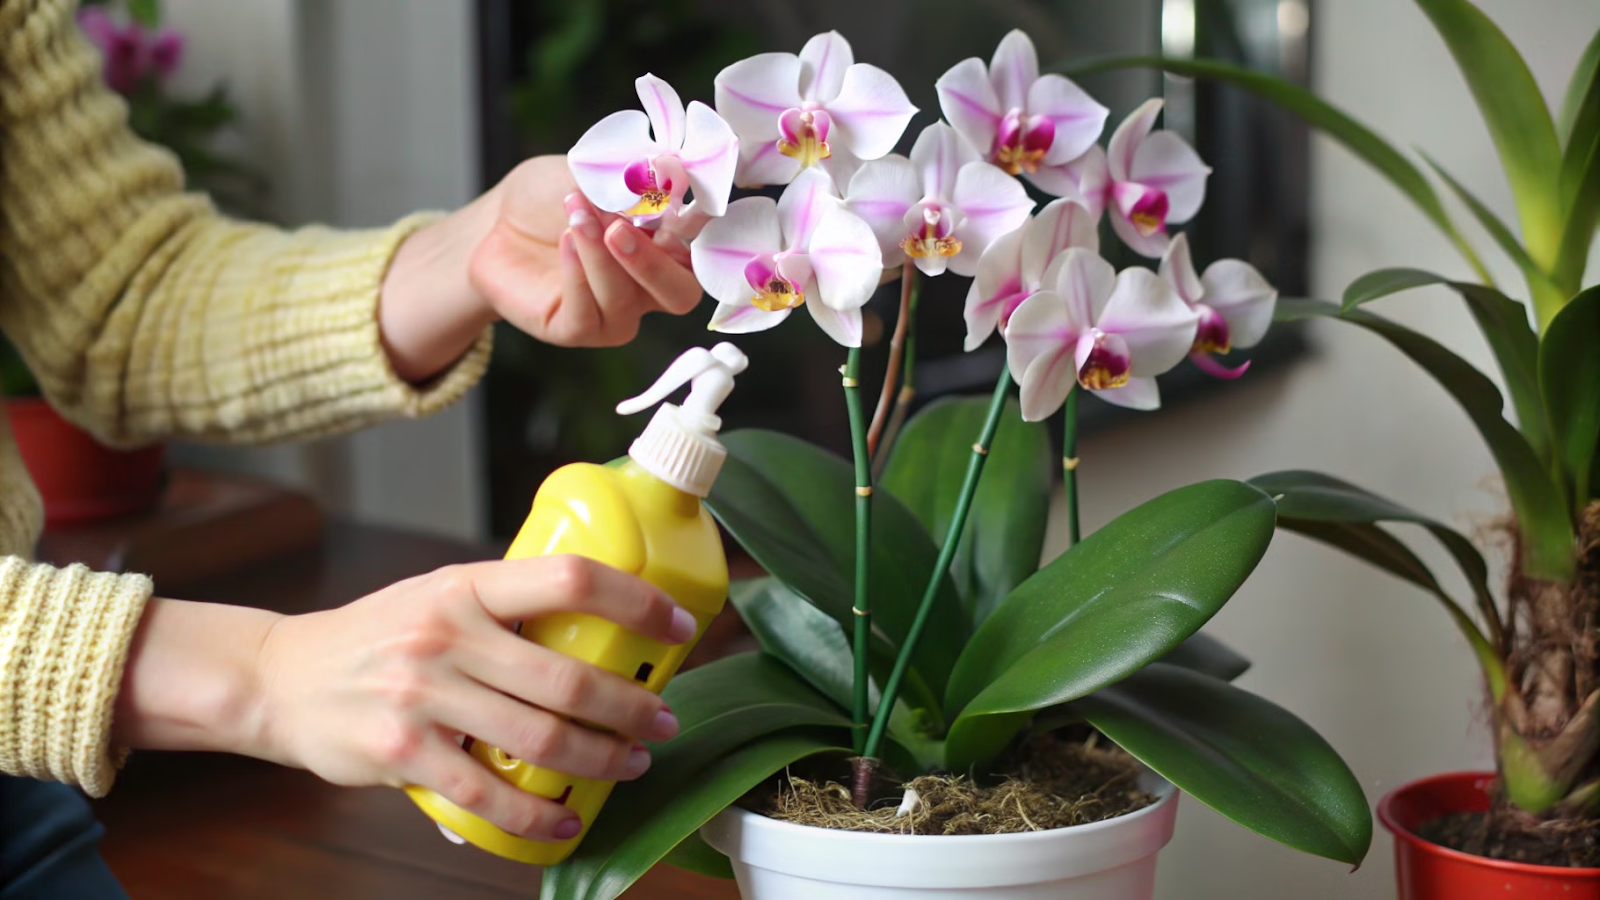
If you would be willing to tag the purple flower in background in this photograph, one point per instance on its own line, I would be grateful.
(132, 54)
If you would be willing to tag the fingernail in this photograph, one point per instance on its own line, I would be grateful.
(622, 238)
(638, 760)
(569, 829)
(683, 625)
(583, 222)
(666, 725)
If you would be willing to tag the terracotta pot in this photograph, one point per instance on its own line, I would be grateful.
(1427, 871)
(79, 479)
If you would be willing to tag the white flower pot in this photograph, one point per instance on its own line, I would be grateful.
(1110, 860)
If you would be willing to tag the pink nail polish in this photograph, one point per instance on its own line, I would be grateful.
(683, 627)
(583, 222)
(568, 830)
(666, 724)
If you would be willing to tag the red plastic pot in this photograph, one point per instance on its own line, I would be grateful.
(1427, 871)
(79, 479)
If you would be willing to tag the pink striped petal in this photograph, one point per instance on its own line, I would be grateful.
(845, 258)
(760, 164)
(871, 111)
(1152, 245)
(823, 62)
(1209, 365)
(1244, 299)
(997, 286)
(802, 206)
(665, 109)
(1077, 117)
(1168, 164)
(1093, 177)
(1061, 224)
(742, 318)
(939, 154)
(599, 158)
(1084, 282)
(881, 193)
(1139, 393)
(727, 244)
(969, 102)
(1014, 69)
(992, 203)
(1147, 313)
(1177, 269)
(1057, 181)
(1039, 352)
(1129, 135)
(843, 325)
(752, 93)
(710, 156)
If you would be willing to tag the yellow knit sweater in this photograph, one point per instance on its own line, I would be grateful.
(146, 315)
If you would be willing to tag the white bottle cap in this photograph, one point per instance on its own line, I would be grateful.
(680, 444)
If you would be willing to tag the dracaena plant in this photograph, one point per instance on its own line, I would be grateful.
(909, 623)
(1535, 637)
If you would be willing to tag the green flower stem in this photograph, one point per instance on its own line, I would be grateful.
(1069, 464)
(863, 607)
(947, 552)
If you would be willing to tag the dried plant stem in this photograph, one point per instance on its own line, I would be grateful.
(1069, 464)
(947, 551)
(891, 372)
(863, 609)
(908, 368)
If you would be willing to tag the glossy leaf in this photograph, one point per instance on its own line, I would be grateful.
(792, 506)
(1515, 111)
(1245, 757)
(1583, 78)
(1541, 513)
(1580, 167)
(1504, 323)
(1121, 598)
(1569, 374)
(695, 855)
(1318, 113)
(1205, 654)
(1004, 536)
(630, 837)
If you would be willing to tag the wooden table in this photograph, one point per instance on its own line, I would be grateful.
(198, 826)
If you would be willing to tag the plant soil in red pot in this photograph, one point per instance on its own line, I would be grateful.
(1427, 871)
(79, 479)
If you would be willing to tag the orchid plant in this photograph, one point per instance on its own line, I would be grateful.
(877, 642)
(1535, 638)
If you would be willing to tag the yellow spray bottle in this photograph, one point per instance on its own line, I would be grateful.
(644, 517)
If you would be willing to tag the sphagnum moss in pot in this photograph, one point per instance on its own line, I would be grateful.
(1532, 827)
(908, 631)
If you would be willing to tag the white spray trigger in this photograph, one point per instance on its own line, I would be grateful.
(711, 372)
(680, 445)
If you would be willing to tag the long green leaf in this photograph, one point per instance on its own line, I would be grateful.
(1538, 280)
(1318, 113)
(1515, 111)
(791, 505)
(1121, 598)
(1504, 323)
(1205, 654)
(631, 836)
(1569, 374)
(1580, 168)
(1536, 499)
(1004, 537)
(1239, 754)
(1584, 76)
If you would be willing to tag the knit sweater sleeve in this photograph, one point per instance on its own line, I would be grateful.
(145, 314)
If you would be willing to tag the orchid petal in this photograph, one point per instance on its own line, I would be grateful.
(1013, 69)
(1084, 283)
(1126, 139)
(1147, 313)
(742, 318)
(1057, 181)
(1165, 162)
(881, 193)
(803, 204)
(845, 258)
(1094, 179)
(823, 62)
(1061, 224)
(728, 243)
(1209, 365)
(665, 109)
(710, 156)
(1152, 245)
(1177, 269)
(1079, 118)
(760, 164)
(1244, 299)
(968, 100)
(993, 204)
(599, 158)
(1039, 347)
(841, 166)
(1138, 393)
(998, 284)
(939, 154)
(871, 112)
(843, 325)
(933, 265)
(1109, 350)
(752, 93)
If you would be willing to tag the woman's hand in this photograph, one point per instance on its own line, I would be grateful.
(534, 252)
(377, 691)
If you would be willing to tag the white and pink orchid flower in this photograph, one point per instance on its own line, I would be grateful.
(942, 207)
(1094, 328)
(763, 258)
(821, 107)
(1147, 181)
(1019, 120)
(1013, 268)
(641, 164)
(1232, 299)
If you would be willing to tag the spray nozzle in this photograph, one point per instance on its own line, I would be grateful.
(680, 444)
(710, 371)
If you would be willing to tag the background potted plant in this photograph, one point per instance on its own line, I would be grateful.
(79, 479)
(1528, 828)
(885, 655)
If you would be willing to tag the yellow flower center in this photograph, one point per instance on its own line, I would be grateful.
(778, 295)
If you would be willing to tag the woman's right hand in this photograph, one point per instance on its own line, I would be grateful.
(376, 692)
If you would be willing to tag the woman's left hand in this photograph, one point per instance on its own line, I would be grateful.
(535, 252)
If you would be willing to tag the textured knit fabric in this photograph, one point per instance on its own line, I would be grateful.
(146, 315)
